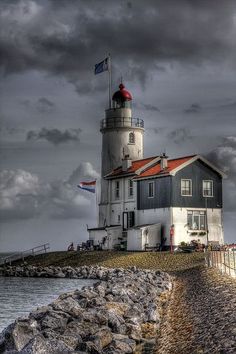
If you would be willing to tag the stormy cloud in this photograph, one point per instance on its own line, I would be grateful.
(24, 196)
(59, 37)
(55, 136)
(180, 135)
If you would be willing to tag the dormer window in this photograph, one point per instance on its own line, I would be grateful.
(131, 138)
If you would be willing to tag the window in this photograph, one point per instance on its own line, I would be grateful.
(150, 189)
(117, 189)
(196, 220)
(186, 187)
(131, 138)
(131, 188)
(207, 188)
(118, 218)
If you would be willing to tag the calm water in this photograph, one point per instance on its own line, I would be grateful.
(19, 296)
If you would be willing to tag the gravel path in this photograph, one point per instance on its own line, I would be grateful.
(201, 315)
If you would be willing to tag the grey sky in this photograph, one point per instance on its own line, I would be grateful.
(178, 59)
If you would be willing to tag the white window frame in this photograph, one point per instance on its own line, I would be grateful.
(117, 189)
(197, 214)
(190, 185)
(153, 189)
(203, 189)
(130, 187)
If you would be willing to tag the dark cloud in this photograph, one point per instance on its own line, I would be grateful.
(149, 107)
(60, 37)
(55, 136)
(24, 196)
(224, 156)
(44, 105)
(194, 108)
(179, 135)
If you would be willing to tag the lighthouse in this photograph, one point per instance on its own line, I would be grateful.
(122, 142)
(150, 203)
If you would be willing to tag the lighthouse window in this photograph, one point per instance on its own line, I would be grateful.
(131, 138)
(117, 189)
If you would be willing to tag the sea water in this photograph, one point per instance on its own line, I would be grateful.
(19, 296)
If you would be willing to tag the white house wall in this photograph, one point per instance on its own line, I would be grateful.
(154, 216)
(134, 240)
(138, 237)
(124, 203)
(181, 232)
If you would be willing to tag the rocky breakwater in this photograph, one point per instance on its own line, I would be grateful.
(114, 315)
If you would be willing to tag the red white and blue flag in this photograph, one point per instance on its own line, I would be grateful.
(88, 186)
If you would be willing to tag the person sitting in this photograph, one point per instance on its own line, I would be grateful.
(71, 247)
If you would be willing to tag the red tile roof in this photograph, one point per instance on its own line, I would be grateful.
(136, 165)
(152, 170)
(156, 169)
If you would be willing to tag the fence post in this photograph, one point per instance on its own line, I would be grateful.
(224, 262)
(234, 262)
(229, 263)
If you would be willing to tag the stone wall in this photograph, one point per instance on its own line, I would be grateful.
(114, 315)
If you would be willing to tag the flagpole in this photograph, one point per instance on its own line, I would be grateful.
(96, 199)
(109, 78)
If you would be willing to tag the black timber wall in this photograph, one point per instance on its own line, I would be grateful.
(168, 189)
(162, 194)
(197, 172)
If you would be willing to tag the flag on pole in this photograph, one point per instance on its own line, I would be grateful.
(102, 66)
(88, 186)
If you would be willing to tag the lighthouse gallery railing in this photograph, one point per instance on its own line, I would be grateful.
(121, 122)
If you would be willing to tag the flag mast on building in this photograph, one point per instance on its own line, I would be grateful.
(99, 68)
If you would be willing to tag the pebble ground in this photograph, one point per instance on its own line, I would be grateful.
(201, 314)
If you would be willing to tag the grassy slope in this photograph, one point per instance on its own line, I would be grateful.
(149, 260)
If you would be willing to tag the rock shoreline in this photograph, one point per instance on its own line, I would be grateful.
(116, 314)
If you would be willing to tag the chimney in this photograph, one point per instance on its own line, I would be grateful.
(164, 162)
(126, 163)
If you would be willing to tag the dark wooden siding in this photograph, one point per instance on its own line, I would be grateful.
(197, 172)
(168, 189)
(162, 193)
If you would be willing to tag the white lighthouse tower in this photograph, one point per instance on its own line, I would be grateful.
(122, 142)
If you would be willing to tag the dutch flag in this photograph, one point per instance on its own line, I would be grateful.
(102, 66)
(88, 186)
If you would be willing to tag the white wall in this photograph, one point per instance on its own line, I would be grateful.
(181, 233)
(134, 240)
(97, 236)
(153, 216)
(124, 203)
(138, 237)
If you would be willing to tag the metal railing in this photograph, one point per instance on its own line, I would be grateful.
(225, 261)
(121, 122)
(22, 255)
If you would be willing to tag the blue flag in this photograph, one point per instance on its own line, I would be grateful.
(100, 67)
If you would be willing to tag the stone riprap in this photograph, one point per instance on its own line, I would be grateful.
(112, 316)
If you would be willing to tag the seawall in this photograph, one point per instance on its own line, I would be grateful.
(120, 311)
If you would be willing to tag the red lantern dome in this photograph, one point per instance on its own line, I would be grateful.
(122, 95)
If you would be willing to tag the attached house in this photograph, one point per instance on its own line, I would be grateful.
(151, 197)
